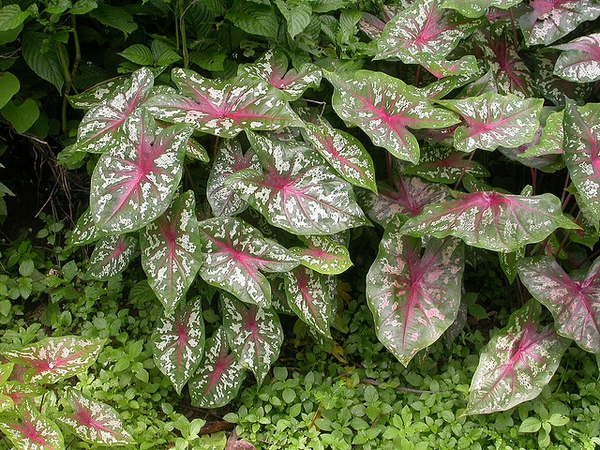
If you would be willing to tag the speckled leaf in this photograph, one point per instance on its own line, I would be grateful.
(18, 392)
(491, 220)
(442, 165)
(550, 140)
(516, 364)
(309, 296)
(383, 107)
(414, 298)
(254, 335)
(94, 422)
(575, 305)
(478, 8)
(169, 251)
(31, 430)
(580, 61)
(552, 87)
(234, 253)
(111, 256)
(230, 159)
(53, 359)
(85, 231)
(323, 255)
(508, 263)
(97, 94)
(296, 191)
(178, 343)
(220, 376)
(492, 120)
(133, 183)
(223, 108)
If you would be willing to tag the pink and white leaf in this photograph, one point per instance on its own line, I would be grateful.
(323, 255)
(31, 430)
(85, 231)
(111, 256)
(580, 61)
(17, 392)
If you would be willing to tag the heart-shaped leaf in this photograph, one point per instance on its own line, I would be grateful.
(323, 255)
(133, 183)
(478, 8)
(170, 247)
(383, 107)
(491, 220)
(23, 116)
(516, 364)
(575, 305)
(111, 256)
(414, 298)
(94, 422)
(9, 86)
(254, 335)
(580, 61)
(297, 191)
(234, 253)
(31, 430)
(492, 120)
(220, 376)
(178, 343)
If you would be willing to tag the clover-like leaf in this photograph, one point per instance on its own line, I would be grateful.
(31, 430)
(170, 247)
(492, 120)
(580, 61)
(111, 256)
(414, 298)
(254, 334)
(94, 422)
(220, 376)
(384, 107)
(516, 364)
(178, 343)
(500, 222)
(234, 253)
(477, 8)
(323, 255)
(297, 191)
(134, 182)
(575, 305)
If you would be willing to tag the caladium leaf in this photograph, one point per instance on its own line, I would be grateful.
(220, 376)
(223, 108)
(111, 256)
(234, 253)
(297, 191)
(254, 334)
(580, 61)
(102, 122)
(31, 430)
(134, 182)
(383, 107)
(230, 159)
(18, 392)
(85, 231)
(99, 93)
(53, 359)
(552, 87)
(491, 220)
(508, 263)
(170, 247)
(178, 343)
(477, 8)
(94, 422)
(323, 255)
(575, 305)
(463, 69)
(516, 364)
(492, 120)
(414, 298)
(550, 141)
(309, 296)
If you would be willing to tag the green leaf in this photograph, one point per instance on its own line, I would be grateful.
(478, 8)
(255, 18)
(41, 55)
(114, 17)
(139, 54)
(297, 14)
(9, 86)
(82, 7)
(323, 255)
(11, 17)
(530, 425)
(21, 117)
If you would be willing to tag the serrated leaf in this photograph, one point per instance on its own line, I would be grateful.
(178, 343)
(492, 120)
(580, 61)
(41, 55)
(383, 107)
(139, 54)
(111, 256)
(220, 376)
(491, 220)
(297, 15)
(133, 183)
(11, 17)
(255, 18)
(94, 422)
(234, 254)
(477, 8)
(323, 255)
(516, 364)
(254, 334)
(114, 17)
(414, 298)
(53, 359)
(170, 247)
(297, 191)
(31, 430)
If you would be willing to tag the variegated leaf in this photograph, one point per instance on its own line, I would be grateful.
(223, 108)
(491, 220)
(195, 150)
(31, 430)
(178, 343)
(414, 298)
(462, 70)
(550, 140)
(323, 255)
(99, 93)
(234, 253)
(552, 87)
(580, 61)
(492, 120)
(230, 159)
(170, 247)
(94, 422)
(254, 334)
(508, 263)
(134, 182)
(478, 8)
(384, 107)
(220, 376)
(297, 191)
(18, 392)
(111, 256)
(53, 359)
(85, 231)
(575, 305)
(516, 364)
